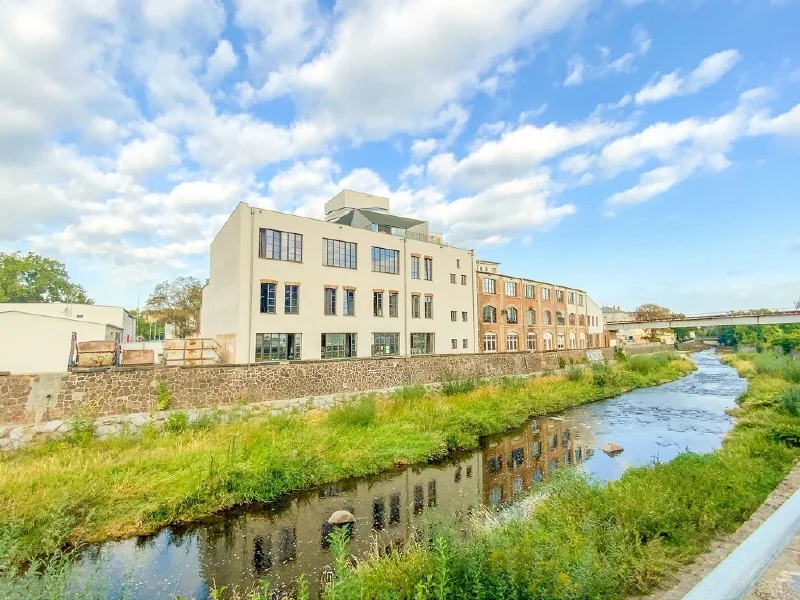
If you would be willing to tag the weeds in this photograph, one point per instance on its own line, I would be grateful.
(176, 422)
(574, 373)
(790, 400)
(458, 386)
(360, 412)
(771, 363)
(163, 396)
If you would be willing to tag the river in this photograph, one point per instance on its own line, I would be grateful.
(281, 540)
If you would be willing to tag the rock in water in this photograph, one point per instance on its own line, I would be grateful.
(341, 517)
(612, 449)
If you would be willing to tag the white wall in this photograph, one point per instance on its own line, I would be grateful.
(34, 343)
(113, 315)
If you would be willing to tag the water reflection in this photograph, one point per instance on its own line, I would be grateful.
(280, 541)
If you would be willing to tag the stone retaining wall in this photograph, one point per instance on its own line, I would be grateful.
(46, 399)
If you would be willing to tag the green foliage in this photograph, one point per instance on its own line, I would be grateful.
(790, 400)
(163, 395)
(786, 336)
(177, 303)
(146, 328)
(205, 421)
(360, 412)
(602, 374)
(574, 373)
(770, 363)
(646, 363)
(562, 362)
(82, 431)
(619, 353)
(683, 334)
(34, 278)
(176, 422)
(451, 387)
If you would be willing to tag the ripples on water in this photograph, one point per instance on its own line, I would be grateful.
(282, 540)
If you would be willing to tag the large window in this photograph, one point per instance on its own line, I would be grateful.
(531, 341)
(572, 344)
(414, 267)
(268, 298)
(385, 260)
(512, 342)
(291, 297)
(529, 290)
(428, 307)
(415, 309)
(559, 296)
(548, 341)
(385, 344)
(336, 253)
(511, 288)
(571, 297)
(545, 293)
(394, 301)
(560, 317)
(330, 301)
(572, 319)
(349, 303)
(429, 269)
(489, 314)
(338, 345)
(560, 341)
(280, 245)
(422, 343)
(548, 318)
(531, 317)
(489, 285)
(490, 342)
(278, 346)
(511, 314)
(377, 304)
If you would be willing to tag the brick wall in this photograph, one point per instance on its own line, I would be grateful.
(28, 399)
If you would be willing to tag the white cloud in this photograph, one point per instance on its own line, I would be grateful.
(526, 115)
(787, 123)
(710, 70)
(422, 148)
(154, 153)
(223, 60)
(575, 68)
(578, 69)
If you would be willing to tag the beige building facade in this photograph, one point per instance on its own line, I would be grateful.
(361, 283)
(96, 313)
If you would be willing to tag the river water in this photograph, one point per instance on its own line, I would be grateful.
(281, 540)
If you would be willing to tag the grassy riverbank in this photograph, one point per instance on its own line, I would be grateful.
(613, 541)
(78, 492)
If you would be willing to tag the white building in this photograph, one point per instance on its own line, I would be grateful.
(361, 283)
(96, 313)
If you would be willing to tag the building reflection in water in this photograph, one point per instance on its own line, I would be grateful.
(293, 539)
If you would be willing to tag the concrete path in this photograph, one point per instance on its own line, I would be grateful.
(782, 579)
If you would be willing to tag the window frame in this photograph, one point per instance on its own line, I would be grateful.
(339, 251)
(291, 306)
(282, 350)
(428, 268)
(387, 260)
(348, 347)
(493, 314)
(531, 337)
(429, 346)
(348, 302)
(530, 291)
(489, 285)
(512, 316)
(329, 301)
(264, 303)
(414, 267)
(394, 304)
(416, 306)
(512, 335)
(387, 340)
(287, 244)
(511, 285)
(428, 306)
(377, 303)
(490, 342)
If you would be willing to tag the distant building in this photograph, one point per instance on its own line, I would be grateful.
(614, 314)
(97, 313)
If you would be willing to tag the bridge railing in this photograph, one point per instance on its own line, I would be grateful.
(760, 312)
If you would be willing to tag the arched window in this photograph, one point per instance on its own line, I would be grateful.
(572, 345)
(531, 317)
(583, 340)
(531, 341)
(490, 342)
(512, 342)
(559, 317)
(581, 320)
(572, 319)
(512, 315)
(548, 318)
(489, 314)
(548, 340)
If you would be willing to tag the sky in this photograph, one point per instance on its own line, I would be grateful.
(642, 150)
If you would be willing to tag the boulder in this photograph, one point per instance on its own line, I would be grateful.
(341, 517)
(612, 449)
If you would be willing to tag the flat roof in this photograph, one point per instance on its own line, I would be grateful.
(62, 318)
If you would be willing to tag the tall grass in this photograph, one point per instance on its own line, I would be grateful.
(771, 363)
(61, 493)
(645, 363)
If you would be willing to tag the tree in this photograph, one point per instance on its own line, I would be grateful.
(34, 278)
(652, 312)
(177, 303)
(146, 327)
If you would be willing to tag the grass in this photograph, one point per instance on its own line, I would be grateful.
(772, 363)
(592, 541)
(62, 493)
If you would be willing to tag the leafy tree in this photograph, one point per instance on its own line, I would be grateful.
(146, 326)
(652, 312)
(683, 334)
(35, 278)
(177, 303)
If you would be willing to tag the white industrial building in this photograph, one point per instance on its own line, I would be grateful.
(361, 283)
(96, 313)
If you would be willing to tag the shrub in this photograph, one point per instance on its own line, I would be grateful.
(602, 374)
(562, 362)
(163, 396)
(650, 362)
(790, 400)
(82, 431)
(574, 373)
(177, 422)
(357, 413)
(619, 353)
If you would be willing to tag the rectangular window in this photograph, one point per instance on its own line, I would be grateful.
(336, 253)
(453, 315)
(428, 307)
(458, 263)
(465, 343)
(512, 342)
(268, 298)
(517, 458)
(571, 297)
(536, 449)
(377, 304)
(511, 288)
(454, 343)
(422, 343)
(415, 306)
(580, 299)
(452, 277)
(385, 344)
(349, 303)
(280, 245)
(429, 269)
(559, 296)
(415, 267)
(278, 346)
(385, 260)
(489, 342)
(545, 293)
(330, 301)
(291, 305)
(489, 286)
(394, 302)
(464, 316)
(338, 345)
(394, 509)
(463, 280)
(529, 291)
(560, 341)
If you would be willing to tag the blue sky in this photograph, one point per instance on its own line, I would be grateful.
(643, 150)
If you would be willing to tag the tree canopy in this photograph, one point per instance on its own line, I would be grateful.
(652, 312)
(35, 278)
(177, 303)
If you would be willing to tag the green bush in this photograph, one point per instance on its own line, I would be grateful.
(619, 353)
(574, 373)
(358, 413)
(177, 422)
(770, 363)
(602, 374)
(163, 396)
(790, 400)
(82, 431)
(650, 362)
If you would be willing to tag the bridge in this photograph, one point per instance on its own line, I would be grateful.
(755, 317)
